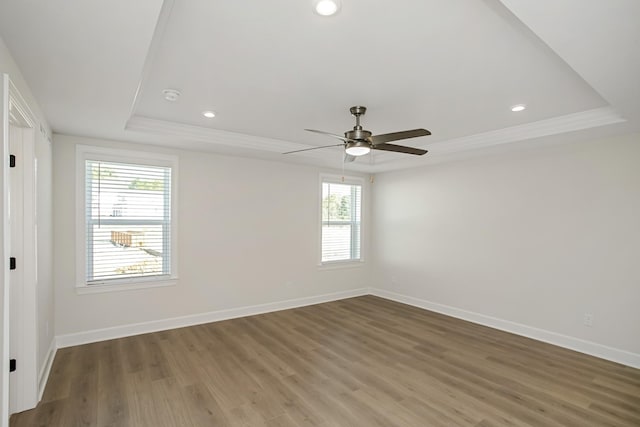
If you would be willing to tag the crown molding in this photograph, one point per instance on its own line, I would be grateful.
(208, 135)
(556, 125)
(553, 126)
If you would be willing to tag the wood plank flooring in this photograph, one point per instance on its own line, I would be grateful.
(359, 362)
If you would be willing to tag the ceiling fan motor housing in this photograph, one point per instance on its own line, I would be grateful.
(358, 134)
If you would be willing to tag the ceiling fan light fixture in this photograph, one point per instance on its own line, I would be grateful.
(326, 7)
(356, 149)
(519, 107)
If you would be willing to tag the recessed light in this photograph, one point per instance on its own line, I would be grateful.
(326, 7)
(171, 95)
(519, 107)
(209, 114)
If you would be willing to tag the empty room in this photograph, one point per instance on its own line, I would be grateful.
(320, 213)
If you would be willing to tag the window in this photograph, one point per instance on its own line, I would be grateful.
(127, 217)
(341, 232)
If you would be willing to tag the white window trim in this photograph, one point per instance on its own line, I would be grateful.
(86, 152)
(349, 263)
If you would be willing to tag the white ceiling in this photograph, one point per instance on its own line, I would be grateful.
(271, 69)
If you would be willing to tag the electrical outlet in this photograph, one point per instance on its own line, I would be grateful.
(588, 319)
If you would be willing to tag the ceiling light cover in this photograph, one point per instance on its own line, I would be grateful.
(357, 149)
(171, 95)
(326, 7)
(209, 114)
(519, 107)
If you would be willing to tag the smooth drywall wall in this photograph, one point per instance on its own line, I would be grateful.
(248, 234)
(44, 285)
(539, 237)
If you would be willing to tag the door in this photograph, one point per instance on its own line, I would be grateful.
(18, 334)
(16, 276)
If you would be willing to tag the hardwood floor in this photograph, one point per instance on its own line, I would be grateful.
(359, 362)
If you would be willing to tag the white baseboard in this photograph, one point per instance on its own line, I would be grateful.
(572, 343)
(96, 335)
(46, 368)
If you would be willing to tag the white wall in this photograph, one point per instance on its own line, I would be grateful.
(247, 234)
(45, 303)
(537, 237)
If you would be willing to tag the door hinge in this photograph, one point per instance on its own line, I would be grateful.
(12, 365)
(12, 161)
(12, 263)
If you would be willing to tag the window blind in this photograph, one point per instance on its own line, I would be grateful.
(341, 219)
(128, 221)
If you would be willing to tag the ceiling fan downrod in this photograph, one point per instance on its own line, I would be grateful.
(356, 112)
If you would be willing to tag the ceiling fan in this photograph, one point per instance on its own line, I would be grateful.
(358, 142)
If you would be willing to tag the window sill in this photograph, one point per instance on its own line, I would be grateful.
(336, 265)
(118, 287)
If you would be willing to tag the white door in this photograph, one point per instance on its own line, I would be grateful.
(18, 334)
(16, 276)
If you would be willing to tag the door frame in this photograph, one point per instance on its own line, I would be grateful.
(4, 252)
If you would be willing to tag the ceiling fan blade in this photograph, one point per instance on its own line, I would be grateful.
(330, 134)
(395, 136)
(349, 158)
(314, 148)
(399, 149)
